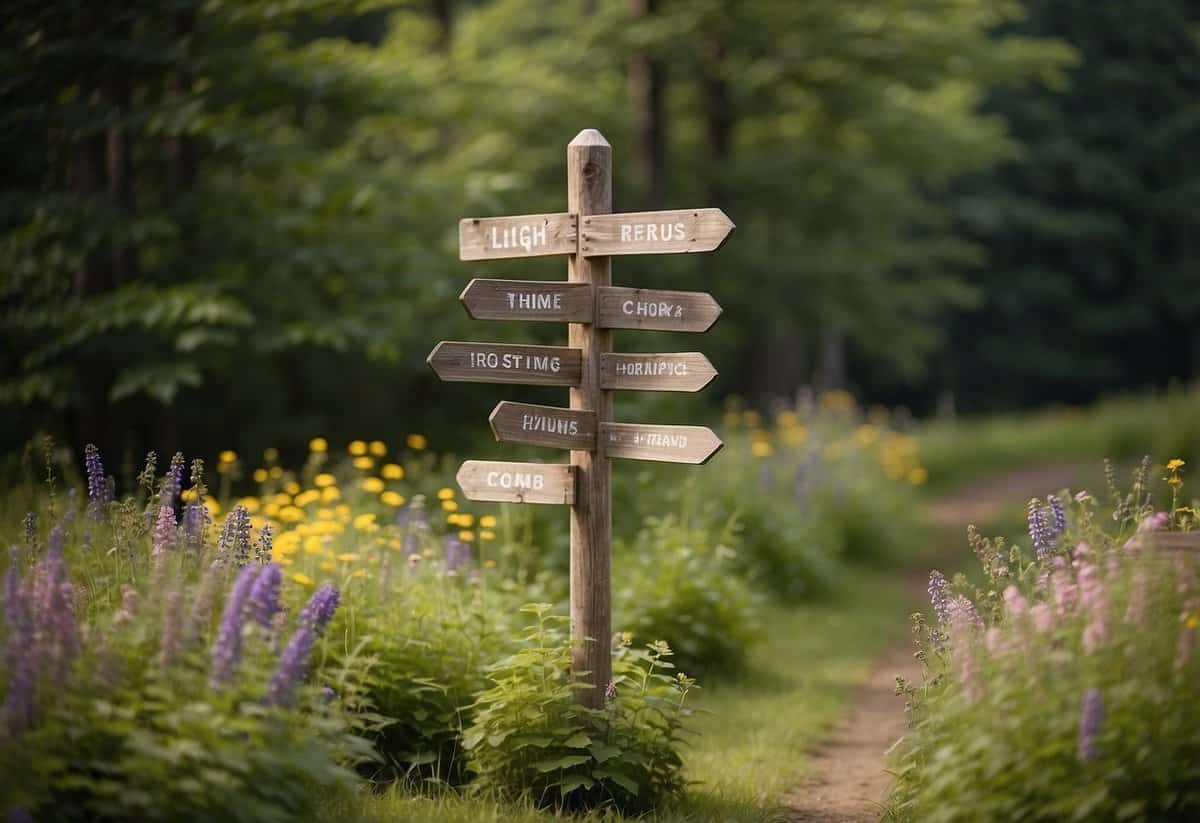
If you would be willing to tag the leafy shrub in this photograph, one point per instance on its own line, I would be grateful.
(1064, 688)
(531, 736)
(680, 584)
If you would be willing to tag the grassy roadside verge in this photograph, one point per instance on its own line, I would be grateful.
(756, 729)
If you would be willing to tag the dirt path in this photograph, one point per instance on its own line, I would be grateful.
(849, 783)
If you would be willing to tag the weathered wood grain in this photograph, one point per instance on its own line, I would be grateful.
(667, 444)
(653, 232)
(657, 309)
(501, 482)
(486, 299)
(550, 426)
(682, 371)
(461, 362)
(523, 235)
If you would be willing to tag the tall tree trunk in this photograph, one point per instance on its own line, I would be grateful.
(646, 78)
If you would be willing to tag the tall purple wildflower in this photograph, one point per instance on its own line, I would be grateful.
(227, 651)
(234, 542)
(1040, 531)
(20, 700)
(458, 554)
(963, 614)
(264, 596)
(262, 549)
(165, 534)
(319, 611)
(292, 665)
(1058, 515)
(97, 482)
(172, 482)
(1091, 724)
(53, 609)
(938, 597)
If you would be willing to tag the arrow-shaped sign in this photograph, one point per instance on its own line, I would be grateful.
(653, 232)
(543, 426)
(525, 235)
(497, 482)
(685, 371)
(657, 310)
(528, 300)
(670, 444)
(506, 363)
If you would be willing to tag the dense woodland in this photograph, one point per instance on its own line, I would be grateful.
(993, 202)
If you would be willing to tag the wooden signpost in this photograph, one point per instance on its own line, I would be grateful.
(589, 234)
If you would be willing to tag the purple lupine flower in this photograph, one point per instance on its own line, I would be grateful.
(319, 611)
(292, 665)
(227, 651)
(1040, 531)
(165, 534)
(1095, 605)
(20, 700)
(97, 482)
(938, 597)
(195, 518)
(1058, 515)
(266, 539)
(1091, 724)
(172, 482)
(234, 541)
(328, 695)
(264, 596)
(53, 610)
(963, 613)
(170, 645)
(458, 555)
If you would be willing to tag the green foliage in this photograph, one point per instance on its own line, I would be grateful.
(682, 583)
(1071, 699)
(533, 738)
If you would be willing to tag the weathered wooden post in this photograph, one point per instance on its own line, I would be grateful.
(589, 234)
(589, 192)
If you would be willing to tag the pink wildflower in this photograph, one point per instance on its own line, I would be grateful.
(1095, 605)
(1015, 602)
(1043, 618)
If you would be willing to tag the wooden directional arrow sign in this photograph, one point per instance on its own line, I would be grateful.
(528, 300)
(657, 310)
(498, 482)
(526, 235)
(543, 426)
(653, 232)
(506, 363)
(669, 444)
(686, 371)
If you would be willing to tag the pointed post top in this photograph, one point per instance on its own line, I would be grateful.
(589, 137)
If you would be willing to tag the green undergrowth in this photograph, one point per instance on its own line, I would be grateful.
(756, 727)
(1122, 428)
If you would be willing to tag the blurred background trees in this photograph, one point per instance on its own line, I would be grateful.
(235, 222)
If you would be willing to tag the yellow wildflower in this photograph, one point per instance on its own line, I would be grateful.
(392, 471)
(366, 522)
(323, 480)
(330, 494)
(1175, 480)
(1174, 464)
(312, 545)
(445, 493)
(260, 475)
(917, 475)
(271, 455)
(271, 509)
(187, 495)
(1192, 621)
(488, 521)
(276, 472)
(228, 456)
(391, 498)
(416, 442)
(760, 448)
(214, 508)
(291, 487)
(751, 419)
(487, 534)
(250, 504)
(466, 535)
(357, 447)
(372, 485)
(489, 564)
(291, 514)
(466, 520)
(304, 498)
(377, 448)
(328, 565)
(449, 506)
(363, 463)
(318, 444)
(302, 578)
(282, 498)
(347, 557)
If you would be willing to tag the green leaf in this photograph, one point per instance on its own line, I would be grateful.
(564, 762)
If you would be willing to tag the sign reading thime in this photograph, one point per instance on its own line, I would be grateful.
(490, 480)
(657, 310)
(527, 235)
(528, 300)
(506, 363)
